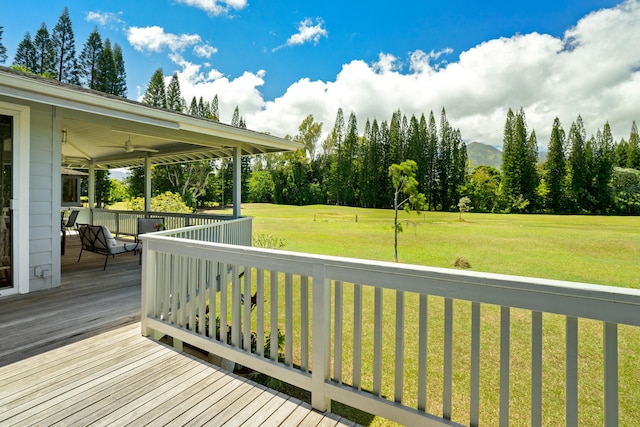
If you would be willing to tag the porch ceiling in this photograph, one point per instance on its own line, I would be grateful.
(97, 126)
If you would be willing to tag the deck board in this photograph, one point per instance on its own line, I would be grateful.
(74, 356)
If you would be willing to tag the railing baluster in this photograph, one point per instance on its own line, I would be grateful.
(571, 375)
(505, 327)
(223, 303)
(192, 278)
(423, 336)
(399, 355)
(337, 334)
(207, 293)
(273, 296)
(288, 328)
(260, 312)
(304, 323)
(610, 339)
(212, 269)
(536, 368)
(447, 389)
(357, 336)
(247, 308)
(236, 324)
(474, 418)
(377, 342)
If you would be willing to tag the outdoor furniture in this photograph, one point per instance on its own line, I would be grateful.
(98, 239)
(70, 223)
(148, 225)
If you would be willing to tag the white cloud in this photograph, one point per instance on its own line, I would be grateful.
(204, 50)
(307, 32)
(593, 70)
(216, 7)
(154, 39)
(104, 18)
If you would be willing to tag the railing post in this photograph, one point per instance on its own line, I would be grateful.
(320, 338)
(148, 289)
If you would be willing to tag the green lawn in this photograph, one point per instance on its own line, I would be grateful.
(591, 249)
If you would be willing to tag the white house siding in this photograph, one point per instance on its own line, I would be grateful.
(44, 198)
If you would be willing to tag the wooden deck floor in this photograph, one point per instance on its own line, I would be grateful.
(75, 356)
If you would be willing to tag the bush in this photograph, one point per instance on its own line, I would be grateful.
(166, 202)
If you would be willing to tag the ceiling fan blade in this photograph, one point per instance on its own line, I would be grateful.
(148, 150)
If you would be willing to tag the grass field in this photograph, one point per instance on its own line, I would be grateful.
(592, 249)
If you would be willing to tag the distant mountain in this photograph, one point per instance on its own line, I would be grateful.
(488, 155)
(483, 154)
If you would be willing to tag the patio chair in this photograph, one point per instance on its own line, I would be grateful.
(70, 223)
(149, 225)
(98, 239)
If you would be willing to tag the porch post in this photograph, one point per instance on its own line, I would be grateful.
(91, 190)
(147, 186)
(237, 177)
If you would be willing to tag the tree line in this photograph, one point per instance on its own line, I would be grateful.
(580, 175)
(99, 66)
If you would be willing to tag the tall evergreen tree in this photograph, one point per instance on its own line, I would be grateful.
(578, 166)
(44, 53)
(174, 96)
(119, 87)
(444, 162)
(89, 58)
(65, 50)
(215, 113)
(431, 159)
(235, 119)
(604, 162)
(155, 95)
(633, 148)
(519, 158)
(621, 150)
(26, 54)
(3, 50)
(106, 72)
(556, 169)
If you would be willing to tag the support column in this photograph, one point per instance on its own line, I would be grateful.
(91, 184)
(237, 177)
(147, 186)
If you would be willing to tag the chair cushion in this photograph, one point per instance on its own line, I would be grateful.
(111, 241)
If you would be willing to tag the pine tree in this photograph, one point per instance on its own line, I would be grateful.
(519, 158)
(633, 148)
(3, 50)
(622, 148)
(235, 120)
(44, 53)
(444, 162)
(119, 86)
(604, 162)
(193, 107)
(89, 59)
(26, 54)
(215, 113)
(432, 159)
(556, 169)
(106, 69)
(174, 95)
(155, 95)
(578, 167)
(65, 50)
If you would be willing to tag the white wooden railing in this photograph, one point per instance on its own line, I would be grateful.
(372, 334)
(126, 222)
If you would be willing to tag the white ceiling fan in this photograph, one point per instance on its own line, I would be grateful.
(130, 148)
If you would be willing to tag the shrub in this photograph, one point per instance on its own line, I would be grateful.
(165, 202)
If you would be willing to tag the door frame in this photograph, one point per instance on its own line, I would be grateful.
(20, 198)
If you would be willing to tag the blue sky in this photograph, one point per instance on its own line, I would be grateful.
(281, 60)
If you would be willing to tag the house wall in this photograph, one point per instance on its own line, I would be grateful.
(44, 198)
(43, 271)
